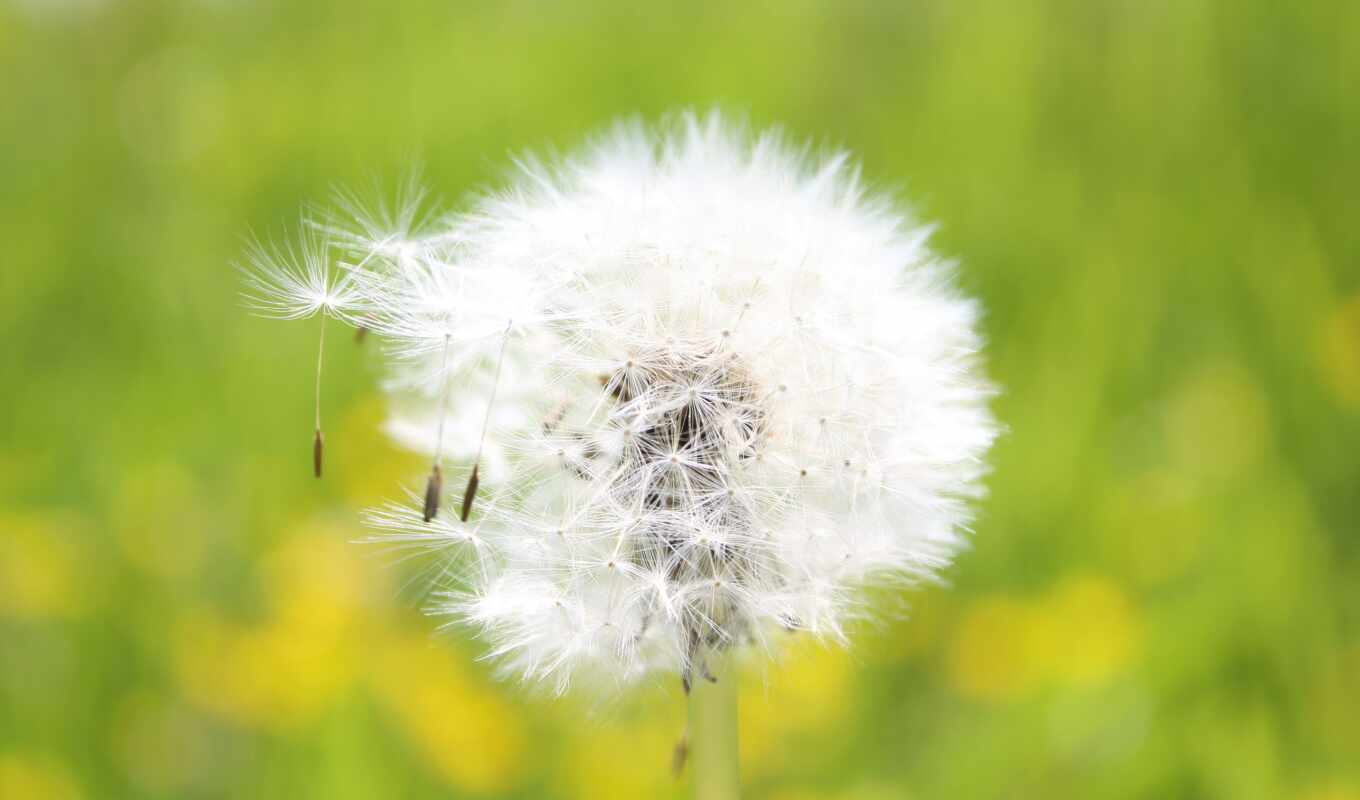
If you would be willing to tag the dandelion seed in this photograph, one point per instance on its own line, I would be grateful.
(297, 282)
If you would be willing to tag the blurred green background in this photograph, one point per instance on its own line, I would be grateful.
(1157, 202)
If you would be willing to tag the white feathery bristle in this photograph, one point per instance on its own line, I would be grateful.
(734, 389)
(297, 280)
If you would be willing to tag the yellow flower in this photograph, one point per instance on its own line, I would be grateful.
(621, 761)
(35, 778)
(1082, 632)
(282, 672)
(991, 657)
(460, 726)
(40, 570)
(809, 691)
(1092, 630)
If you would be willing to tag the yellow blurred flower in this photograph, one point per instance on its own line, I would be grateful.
(991, 654)
(461, 727)
(1091, 630)
(1082, 632)
(621, 761)
(282, 672)
(317, 578)
(275, 676)
(30, 777)
(41, 573)
(808, 690)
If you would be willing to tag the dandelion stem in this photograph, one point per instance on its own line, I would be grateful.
(712, 735)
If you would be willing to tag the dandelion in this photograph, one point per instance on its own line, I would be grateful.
(297, 282)
(710, 387)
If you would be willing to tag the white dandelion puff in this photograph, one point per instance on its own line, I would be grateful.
(710, 386)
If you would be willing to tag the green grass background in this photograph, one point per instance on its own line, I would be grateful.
(1156, 201)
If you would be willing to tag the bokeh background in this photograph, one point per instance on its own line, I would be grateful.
(1157, 202)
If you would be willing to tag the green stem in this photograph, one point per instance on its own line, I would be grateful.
(713, 735)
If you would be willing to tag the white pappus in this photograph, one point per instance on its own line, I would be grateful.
(708, 385)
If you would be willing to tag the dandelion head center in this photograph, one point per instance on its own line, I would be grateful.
(695, 414)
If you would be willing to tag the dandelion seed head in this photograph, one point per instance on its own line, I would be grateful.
(732, 389)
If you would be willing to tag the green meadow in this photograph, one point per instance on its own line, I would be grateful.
(1157, 203)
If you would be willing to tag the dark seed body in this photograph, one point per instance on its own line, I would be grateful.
(680, 756)
(318, 448)
(468, 494)
(434, 487)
